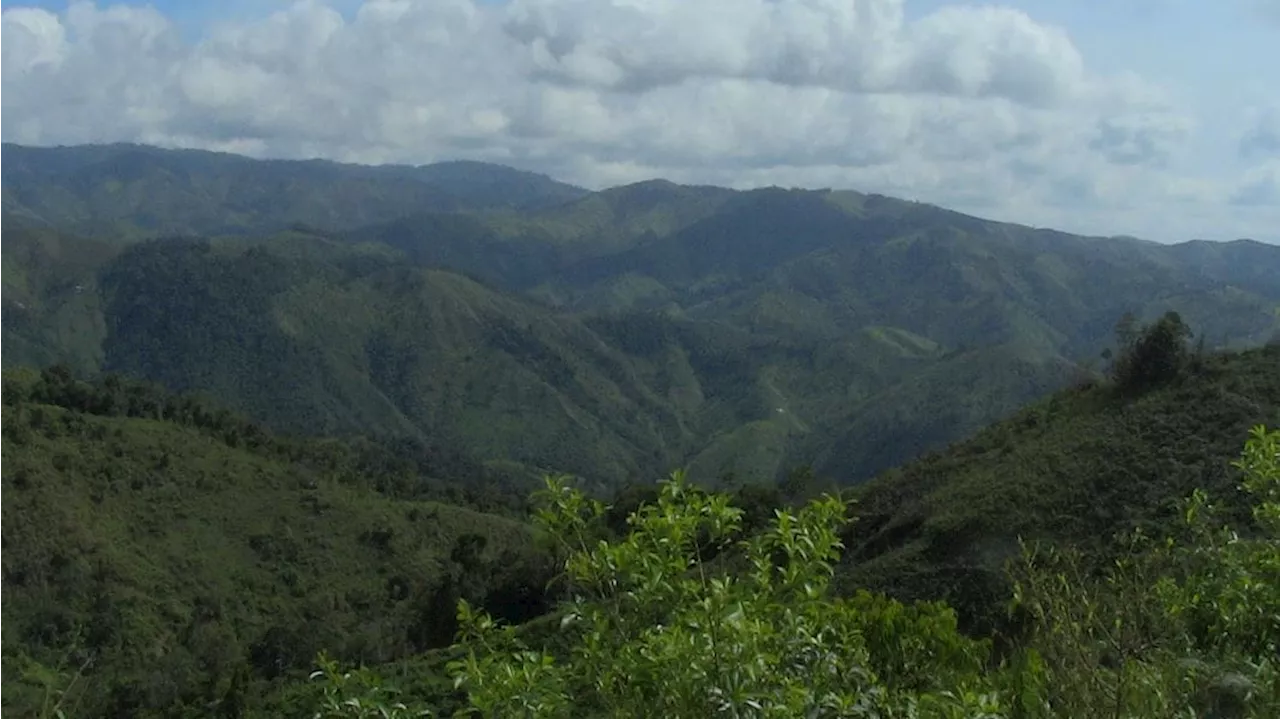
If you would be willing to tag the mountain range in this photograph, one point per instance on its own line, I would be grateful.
(292, 407)
(539, 326)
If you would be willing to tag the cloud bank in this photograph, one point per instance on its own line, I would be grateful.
(981, 108)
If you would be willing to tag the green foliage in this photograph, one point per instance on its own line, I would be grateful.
(51, 306)
(1177, 626)
(170, 557)
(682, 614)
(48, 691)
(164, 557)
(1073, 471)
(1231, 594)
(1173, 628)
(331, 341)
(655, 631)
(1155, 355)
(358, 694)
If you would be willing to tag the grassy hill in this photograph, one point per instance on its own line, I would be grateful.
(184, 556)
(1073, 469)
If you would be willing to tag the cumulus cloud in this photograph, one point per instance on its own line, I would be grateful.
(982, 108)
(860, 46)
(32, 39)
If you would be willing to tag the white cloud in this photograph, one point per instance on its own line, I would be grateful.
(981, 108)
(33, 39)
(993, 51)
(854, 46)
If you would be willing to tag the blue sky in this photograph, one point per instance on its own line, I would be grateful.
(1156, 118)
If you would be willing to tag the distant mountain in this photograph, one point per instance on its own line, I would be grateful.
(486, 185)
(136, 191)
(614, 334)
(518, 251)
(310, 336)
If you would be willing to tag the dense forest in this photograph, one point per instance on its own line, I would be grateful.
(317, 440)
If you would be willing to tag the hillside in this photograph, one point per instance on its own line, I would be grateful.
(186, 556)
(52, 310)
(1073, 469)
(645, 326)
(312, 338)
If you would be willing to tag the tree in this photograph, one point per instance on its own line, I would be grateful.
(653, 630)
(1155, 355)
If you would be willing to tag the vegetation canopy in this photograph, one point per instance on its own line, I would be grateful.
(654, 629)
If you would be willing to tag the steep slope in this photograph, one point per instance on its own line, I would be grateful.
(357, 342)
(185, 556)
(977, 317)
(955, 279)
(952, 398)
(1076, 468)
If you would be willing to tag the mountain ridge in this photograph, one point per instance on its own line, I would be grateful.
(105, 190)
(660, 324)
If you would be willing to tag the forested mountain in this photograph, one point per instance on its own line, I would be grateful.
(644, 326)
(133, 191)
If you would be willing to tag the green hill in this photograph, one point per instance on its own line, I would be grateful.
(355, 343)
(185, 556)
(52, 309)
(1073, 469)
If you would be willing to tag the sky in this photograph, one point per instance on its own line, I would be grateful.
(1153, 118)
